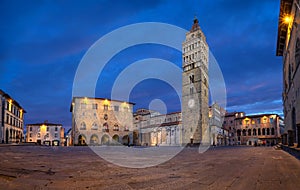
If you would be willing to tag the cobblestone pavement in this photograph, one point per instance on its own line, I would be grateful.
(36, 167)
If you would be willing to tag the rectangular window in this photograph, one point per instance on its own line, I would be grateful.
(38, 135)
(55, 128)
(258, 121)
(192, 90)
(7, 118)
(95, 106)
(116, 108)
(265, 120)
(47, 128)
(30, 128)
(30, 134)
(55, 135)
(271, 120)
(105, 107)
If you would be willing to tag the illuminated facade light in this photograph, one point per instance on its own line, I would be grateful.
(287, 19)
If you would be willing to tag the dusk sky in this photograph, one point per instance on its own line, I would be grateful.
(42, 43)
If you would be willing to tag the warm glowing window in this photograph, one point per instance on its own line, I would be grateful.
(105, 107)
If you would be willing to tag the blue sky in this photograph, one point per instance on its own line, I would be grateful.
(42, 43)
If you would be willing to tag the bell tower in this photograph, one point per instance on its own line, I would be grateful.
(195, 90)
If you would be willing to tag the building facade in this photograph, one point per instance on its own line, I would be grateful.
(157, 129)
(195, 87)
(218, 135)
(99, 121)
(229, 125)
(11, 119)
(288, 46)
(261, 129)
(50, 134)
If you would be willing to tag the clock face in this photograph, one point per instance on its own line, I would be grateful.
(191, 103)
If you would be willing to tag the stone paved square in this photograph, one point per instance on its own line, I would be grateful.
(239, 167)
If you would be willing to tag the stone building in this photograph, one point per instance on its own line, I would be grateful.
(99, 121)
(218, 135)
(195, 87)
(157, 129)
(229, 125)
(45, 133)
(11, 119)
(258, 129)
(288, 46)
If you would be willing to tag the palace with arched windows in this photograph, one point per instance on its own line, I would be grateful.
(265, 129)
(99, 121)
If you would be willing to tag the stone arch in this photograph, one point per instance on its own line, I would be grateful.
(94, 140)
(254, 132)
(244, 132)
(116, 138)
(263, 131)
(81, 139)
(238, 132)
(249, 132)
(6, 136)
(268, 131)
(125, 140)
(272, 131)
(258, 131)
(105, 140)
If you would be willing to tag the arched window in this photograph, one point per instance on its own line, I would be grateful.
(244, 132)
(83, 126)
(116, 127)
(272, 131)
(94, 126)
(238, 132)
(254, 132)
(268, 131)
(249, 132)
(263, 131)
(105, 127)
(258, 131)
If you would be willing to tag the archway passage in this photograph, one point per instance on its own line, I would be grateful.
(125, 140)
(81, 140)
(116, 138)
(6, 136)
(94, 140)
(135, 138)
(105, 140)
